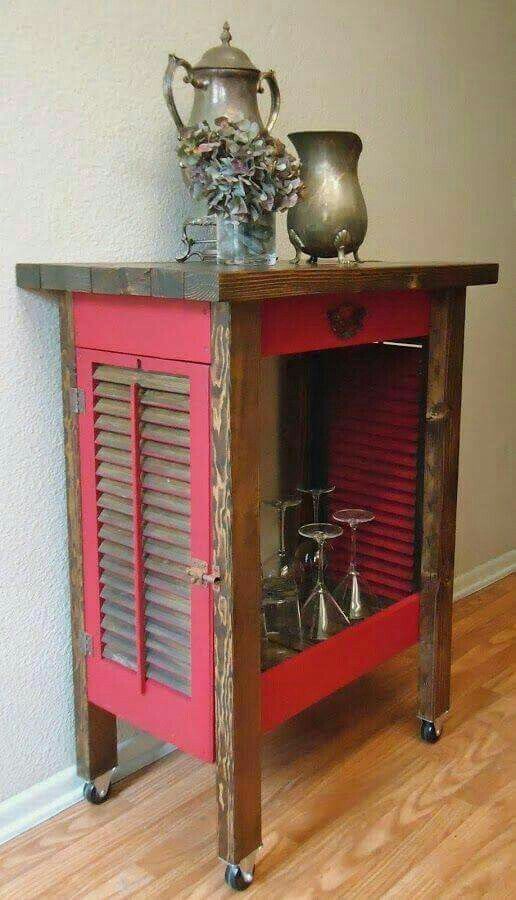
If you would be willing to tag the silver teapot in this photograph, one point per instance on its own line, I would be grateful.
(225, 83)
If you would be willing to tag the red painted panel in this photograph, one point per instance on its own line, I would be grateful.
(169, 329)
(373, 435)
(319, 671)
(186, 721)
(299, 324)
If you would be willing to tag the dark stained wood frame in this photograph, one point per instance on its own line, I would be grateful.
(95, 729)
(441, 461)
(235, 374)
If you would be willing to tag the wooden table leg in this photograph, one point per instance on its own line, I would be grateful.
(95, 729)
(439, 501)
(236, 501)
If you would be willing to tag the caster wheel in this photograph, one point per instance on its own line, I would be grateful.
(92, 795)
(429, 732)
(236, 879)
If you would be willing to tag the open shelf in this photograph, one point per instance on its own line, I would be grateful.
(319, 670)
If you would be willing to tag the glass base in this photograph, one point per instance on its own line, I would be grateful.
(247, 243)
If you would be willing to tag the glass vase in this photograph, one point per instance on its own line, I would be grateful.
(247, 243)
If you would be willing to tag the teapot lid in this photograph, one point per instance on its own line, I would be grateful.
(224, 56)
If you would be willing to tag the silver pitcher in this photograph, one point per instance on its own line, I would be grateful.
(225, 83)
(331, 219)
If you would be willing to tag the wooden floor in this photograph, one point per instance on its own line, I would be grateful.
(354, 804)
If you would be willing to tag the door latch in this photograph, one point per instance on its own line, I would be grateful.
(198, 572)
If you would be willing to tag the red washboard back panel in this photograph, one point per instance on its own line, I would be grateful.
(373, 446)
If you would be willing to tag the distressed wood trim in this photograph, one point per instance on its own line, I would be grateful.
(441, 457)
(95, 729)
(236, 538)
(121, 280)
(210, 282)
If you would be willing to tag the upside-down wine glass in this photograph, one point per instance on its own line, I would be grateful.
(280, 594)
(353, 593)
(305, 557)
(321, 615)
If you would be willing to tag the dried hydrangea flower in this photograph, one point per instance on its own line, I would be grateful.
(240, 171)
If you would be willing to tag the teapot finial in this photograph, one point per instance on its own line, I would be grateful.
(226, 36)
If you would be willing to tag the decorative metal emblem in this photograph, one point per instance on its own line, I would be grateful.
(346, 320)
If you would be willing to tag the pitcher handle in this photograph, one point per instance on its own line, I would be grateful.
(270, 78)
(175, 62)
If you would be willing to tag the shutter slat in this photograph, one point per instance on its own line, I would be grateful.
(110, 517)
(167, 519)
(114, 472)
(118, 535)
(167, 502)
(169, 535)
(165, 451)
(178, 684)
(115, 488)
(108, 439)
(111, 423)
(165, 399)
(167, 485)
(110, 455)
(166, 469)
(157, 416)
(167, 551)
(116, 504)
(113, 391)
(164, 435)
(168, 587)
(113, 566)
(113, 408)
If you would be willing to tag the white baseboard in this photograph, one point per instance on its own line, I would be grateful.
(49, 797)
(484, 575)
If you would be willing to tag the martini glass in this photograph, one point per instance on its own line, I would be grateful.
(353, 593)
(321, 615)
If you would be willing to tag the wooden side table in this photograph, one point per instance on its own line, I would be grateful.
(161, 397)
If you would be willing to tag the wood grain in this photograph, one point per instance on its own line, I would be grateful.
(95, 729)
(235, 374)
(354, 804)
(441, 460)
(207, 281)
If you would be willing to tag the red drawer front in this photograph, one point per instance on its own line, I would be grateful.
(145, 326)
(299, 324)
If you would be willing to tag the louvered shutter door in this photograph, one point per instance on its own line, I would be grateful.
(373, 447)
(144, 440)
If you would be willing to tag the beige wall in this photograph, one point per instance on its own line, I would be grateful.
(90, 174)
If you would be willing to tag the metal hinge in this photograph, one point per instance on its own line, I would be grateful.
(85, 643)
(198, 572)
(77, 400)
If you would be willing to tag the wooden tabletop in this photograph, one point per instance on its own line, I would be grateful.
(208, 281)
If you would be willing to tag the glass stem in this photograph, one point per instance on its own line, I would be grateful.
(282, 530)
(320, 563)
(317, 502)
(353, 554)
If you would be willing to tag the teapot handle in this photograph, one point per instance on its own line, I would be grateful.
(175, 62)
(270, 78)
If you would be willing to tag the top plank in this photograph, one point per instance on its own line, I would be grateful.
(213, 283)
